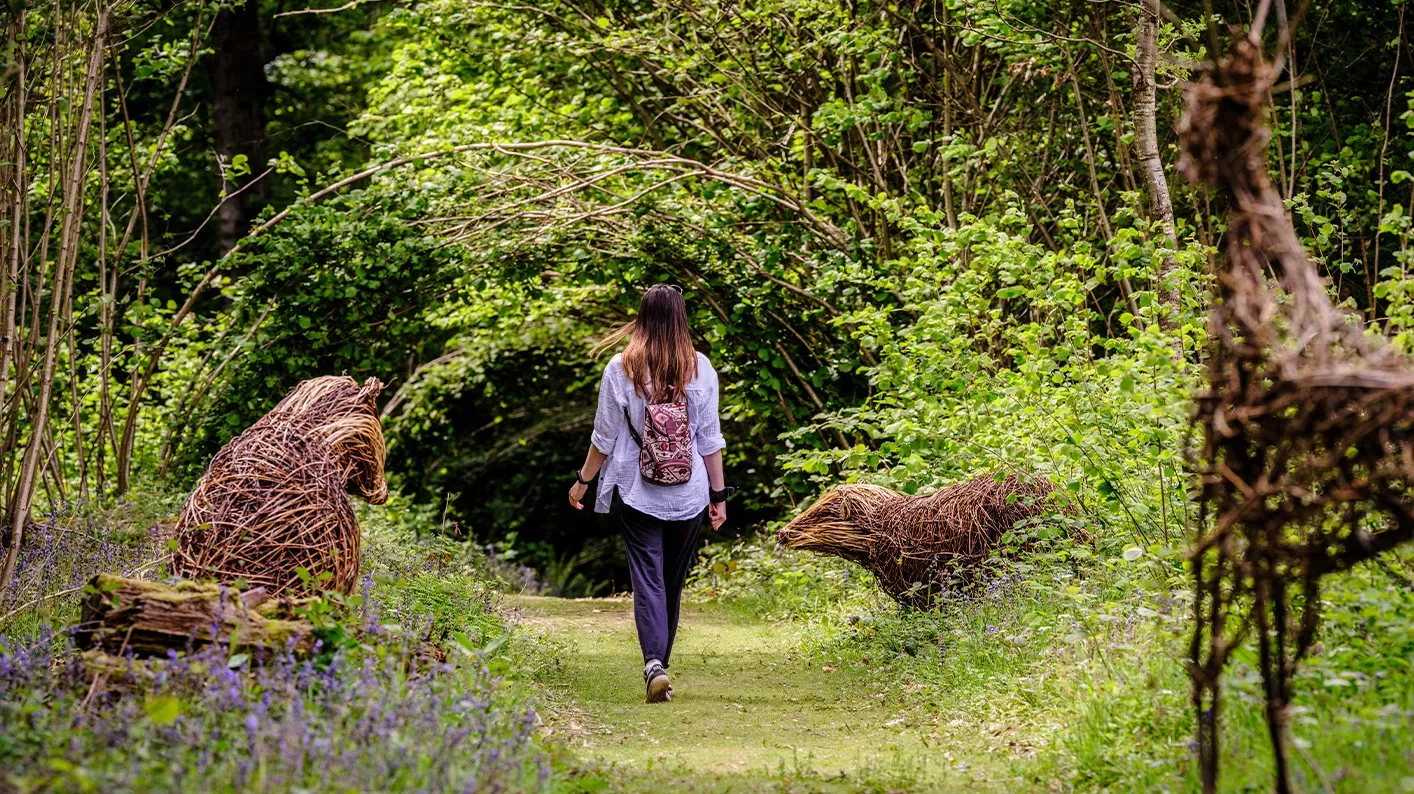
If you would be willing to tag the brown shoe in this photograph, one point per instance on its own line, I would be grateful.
(659, 689)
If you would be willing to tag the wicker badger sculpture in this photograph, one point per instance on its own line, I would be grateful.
(275, 499)
(916, 545)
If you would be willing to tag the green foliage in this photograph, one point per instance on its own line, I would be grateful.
(1078, 670)
(912, 240)
(1006, 366)
(901, 275)
(350, 291)
(753, 574)
(458, 604)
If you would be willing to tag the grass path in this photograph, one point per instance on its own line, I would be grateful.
(749, 713)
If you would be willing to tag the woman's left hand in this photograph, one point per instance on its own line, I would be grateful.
(577, 493)
(718, 513)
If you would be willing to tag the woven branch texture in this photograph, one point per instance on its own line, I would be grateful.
(1307, 421)
(917, 545)
(276, 498)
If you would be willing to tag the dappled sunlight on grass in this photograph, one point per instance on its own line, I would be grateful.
(751, 704)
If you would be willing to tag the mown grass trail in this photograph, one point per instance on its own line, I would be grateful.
(748, 713)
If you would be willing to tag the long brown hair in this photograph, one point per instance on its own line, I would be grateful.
(659, 360)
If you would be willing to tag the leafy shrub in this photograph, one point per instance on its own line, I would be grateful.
(1007, 366)
(1078, 658)
(778, 583)
(403, 538)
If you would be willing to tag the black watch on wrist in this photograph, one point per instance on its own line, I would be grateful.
(717, 497)
(579, 478)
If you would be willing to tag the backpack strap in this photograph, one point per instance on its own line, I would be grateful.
(637, 439)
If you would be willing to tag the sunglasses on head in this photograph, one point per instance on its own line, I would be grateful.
(673, 287)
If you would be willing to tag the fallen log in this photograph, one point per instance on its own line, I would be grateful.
(147, 618)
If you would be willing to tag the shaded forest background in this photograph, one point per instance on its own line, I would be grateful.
(919, 241)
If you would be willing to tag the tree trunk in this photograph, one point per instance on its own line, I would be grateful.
(239, 89)
(14, 196)
(61, 295)
(1146, 38)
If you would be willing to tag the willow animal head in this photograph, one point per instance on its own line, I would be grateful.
(344, 415)
(357, 440)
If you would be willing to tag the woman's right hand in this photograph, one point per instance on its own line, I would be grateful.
(577, 493)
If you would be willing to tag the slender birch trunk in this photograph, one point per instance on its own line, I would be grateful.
(1146, 46)
(69, 228)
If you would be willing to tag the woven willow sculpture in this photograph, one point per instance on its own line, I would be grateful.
(1307, 422)
(915, 545)
(276, 498)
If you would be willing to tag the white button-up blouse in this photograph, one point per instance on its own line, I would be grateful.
(611, 437)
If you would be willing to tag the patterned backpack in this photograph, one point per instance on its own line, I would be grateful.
(665, 448)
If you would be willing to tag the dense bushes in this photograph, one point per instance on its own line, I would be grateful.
(1006, 366)
(912, 237)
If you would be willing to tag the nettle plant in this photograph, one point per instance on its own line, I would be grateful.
(1394, 292)
(1381, 288)
(1014, 362)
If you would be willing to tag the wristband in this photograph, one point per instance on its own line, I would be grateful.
(717, 497)
(579, 478)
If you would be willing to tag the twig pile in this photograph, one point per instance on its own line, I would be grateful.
(915, 544)
(1307, 451)
(275, 499)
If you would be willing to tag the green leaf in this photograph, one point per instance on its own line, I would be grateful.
(464, 642)
(494, 645)
(162, 710)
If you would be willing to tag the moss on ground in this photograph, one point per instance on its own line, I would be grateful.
(749, 713)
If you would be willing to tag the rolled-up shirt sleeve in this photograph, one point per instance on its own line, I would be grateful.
(709, 424)
(609, 418)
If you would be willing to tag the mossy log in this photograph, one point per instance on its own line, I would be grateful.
(149, 618)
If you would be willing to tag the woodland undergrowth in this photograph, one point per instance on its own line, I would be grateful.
(417, 683)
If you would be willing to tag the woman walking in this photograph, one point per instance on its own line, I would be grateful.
(657, 448)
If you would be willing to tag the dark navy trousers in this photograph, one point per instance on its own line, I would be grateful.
(660, 555)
